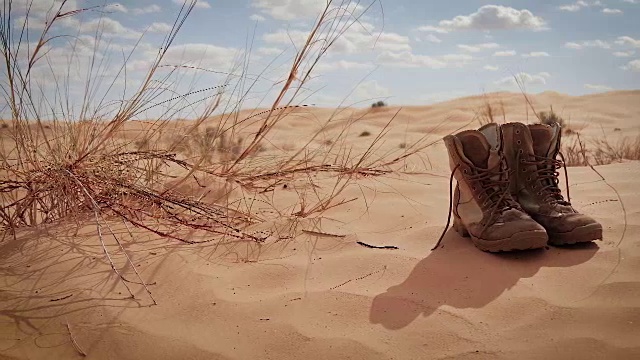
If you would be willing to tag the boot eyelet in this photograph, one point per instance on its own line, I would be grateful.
(465, 171)
(520, 151)
(473, 188)
(524, 170)
(519, 142)
(517, 131)
(528, 179)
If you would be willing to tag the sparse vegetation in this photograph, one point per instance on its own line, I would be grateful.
(378, 104)
(93, 168)
(550, 117)
(364, 133)
(488, 113)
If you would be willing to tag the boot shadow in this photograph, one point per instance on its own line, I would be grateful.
(461, 276)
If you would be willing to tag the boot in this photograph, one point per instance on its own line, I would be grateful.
(482, 206)
(531, 153)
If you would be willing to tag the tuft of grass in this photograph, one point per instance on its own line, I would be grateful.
(488, 113)
(550, 117)
(378, 104)
(364, 133)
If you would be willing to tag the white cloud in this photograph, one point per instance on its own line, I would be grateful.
(536, 54)
(202, 4)
(297, 9)
(107, 26)
(147, 10)
(369, 90)
(598, 87)
(524, 78)
(160, 27)
(270, 51)
(632, 1)
(40, 8)
(491, 68)
(406, 59)
(628, 41)
(432, 38)
(478, 47)
(495, 17)
(505, 53)
(326, 66)
(578, 5)
(358, 38)
(116, 7)
(588, 44)
(623, 53)
(256, 17)
(633, 65)
(201, 55)
(612, 11)
(428, 28)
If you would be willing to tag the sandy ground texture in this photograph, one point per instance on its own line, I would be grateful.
(316, 296)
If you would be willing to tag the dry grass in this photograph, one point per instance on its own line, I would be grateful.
(488, 113)
(87, 167)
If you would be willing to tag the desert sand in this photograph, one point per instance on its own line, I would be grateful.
(321, 295)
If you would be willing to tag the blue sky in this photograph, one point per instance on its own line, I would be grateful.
(406, 51)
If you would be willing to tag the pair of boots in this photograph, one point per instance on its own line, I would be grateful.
(507, 195)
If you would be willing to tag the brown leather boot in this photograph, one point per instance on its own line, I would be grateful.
(482, 206)
(531, 152)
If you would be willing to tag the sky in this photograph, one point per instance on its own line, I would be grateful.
(406, 52)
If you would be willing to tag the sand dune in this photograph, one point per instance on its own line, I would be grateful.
(318, 296)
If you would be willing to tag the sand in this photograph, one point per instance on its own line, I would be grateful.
(318, 296)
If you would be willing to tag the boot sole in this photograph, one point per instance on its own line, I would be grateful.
(526, 240)
(586, 233)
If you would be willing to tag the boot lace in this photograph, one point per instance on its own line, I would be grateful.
(495, 193)
(548, 178)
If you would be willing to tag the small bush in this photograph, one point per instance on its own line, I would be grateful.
(378, 104)
(550, 117)
(365, 133)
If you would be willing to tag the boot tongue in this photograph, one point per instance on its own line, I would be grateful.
(476, 148)
(545, 139)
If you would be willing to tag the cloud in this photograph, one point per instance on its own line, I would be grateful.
(588, 44)
(628, 41)
(598, 87)
(495, 17)
(432, 38)
(298, 9)
(632, 1)
(160, 27)
(116, 7)
(491, 68)
(256, 17)
(612, 11)
(357, 39)
(505, 53)
(632, 66)
(39, 8)
(326, 66)
(270, 51)
(406, 59)
(201, 55)
(536, 54)
(478, 47)
(107, 26)
(579, 5)
(201, 4)
(369, 90)
(435, 29)
(524, 78)
(146, 10)
(623, 53)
